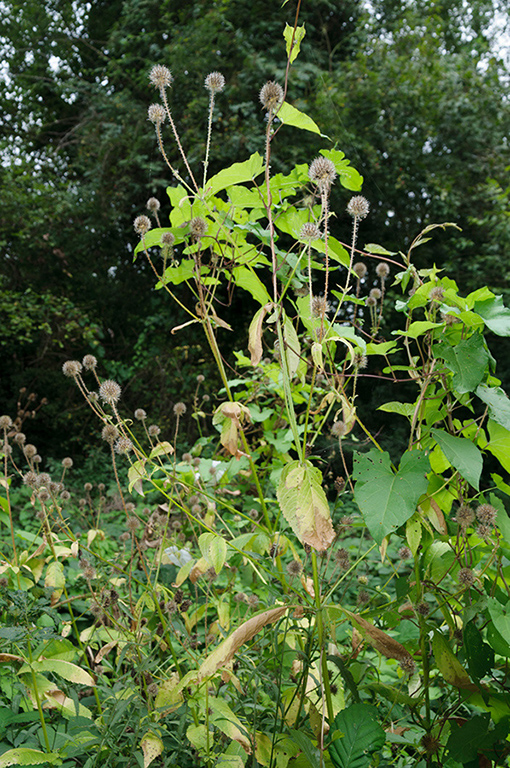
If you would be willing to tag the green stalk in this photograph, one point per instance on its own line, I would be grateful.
(322, 640)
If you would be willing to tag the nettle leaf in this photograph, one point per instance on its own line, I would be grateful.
(387, 499)
(462, 454)
(464, 741)
(361, 736)
(467, 360)
(498, 402)
(304, 504)
(495, 315)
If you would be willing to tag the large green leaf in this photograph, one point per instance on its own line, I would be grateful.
(362, 735)
(462, 454)
(387, 499)
(246, 278)
(499, 444)
(27, 756)
(236, 174)
(467, 360)
(495, 315)
(304, 504)
(498, 402)
(479, 655)
(464, 741)
(289, 115)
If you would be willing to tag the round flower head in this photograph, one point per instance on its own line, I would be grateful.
(339, 429)
(154, 430)
(141, 225)
(30, 451)
(360, 269)
(5, 422)
(109, 392)
(167, 238)
(382, 270)
(310, 232)
(294, 568)
(371, 301)
(140, 414)
(405, 553)
(198, 227)
(89, 362)
(437, 293)
(71, 368)
(359, 360)
(109, 433)
(323, 172)
(408, 665)
(20, 438)
(153, 204)
(67, 463)
(160, 76)
(375, 293)
(179, 409)
(271, 95)
(156, 114)
(214, 82)
(358, 206)
(30, 479)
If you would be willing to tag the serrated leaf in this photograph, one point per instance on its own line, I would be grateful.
(27, 756)
(304, 504)
(462, 454)
(498, 402)
(294, 38)
(362, 735)
(387, 499)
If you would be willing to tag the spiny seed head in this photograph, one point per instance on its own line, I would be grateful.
(43, 495)
(154, 430)
(30, 479)
(339, 484)
(371, 302)
(36, 459)
(323, 172)
(71, 368)
(29, 450)
(214, 82)
(141, 225)
(309, 232)
(156, 114)
(437, 293)
(160, 76)
(339, 429)
(89, 362)
(153, 204)
(67, 463)
(5, 422)
(168, 239)
(20, 438)
(6, 449)
(200, 378)
(109, 433)
(486, 514)
(405, 553)
(422, 609)
(342, 558)
(466, 577)
(382, 270)
(65, 495)
(87, 487)
(375, 293)
(359, 360)
(123, 445)
(358, 206)
(132, 524)
(43, 479)
(294, 568)
(271, 96)
(465, 516)
(109, 392)
(408, 665)
(320, 306)
(360, 269)
(198, 227)
(179, 409)
(140, 414)
(484, 532)
(430, 744)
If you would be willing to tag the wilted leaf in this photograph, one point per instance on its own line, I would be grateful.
(55, 578)
(381, 641)
(224, 719)
(230, 416)
(448, 664)
(255, 334)
(27, 756)
(304, 504)
(152, 747)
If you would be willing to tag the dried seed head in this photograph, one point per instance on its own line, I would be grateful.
(20, 438)
(43, 479)
(67, 463)
(123, 445)
(465, 516)
(141, 225)
(109, 433)
(197, 227)
(408, 665)
(89, 362)
(437, 293)
(320, 306)
(160, 76)
(65, 495)
(323, 172)
(294, 568)
(371, 302)
(382, 270)
(153, 204)
(359, 360)
(109, 392)
(154, 430)
(271, 96)
(405, 553)
(156, 114)
(87, 487)
(430, 744)
(375, 293)
(339, 429)
(168, 238)
(486, 514)
(360, 269)
(309, 232)
(339, 484)
(466, 577)
(140, 414)
(179, 409)
(36, 459)
(358, 206)
(30, 479)
(423, 609)
(5, 422)
(200, 378)
(71, 368)
(43, 495)
(29, 450)
(132, 524)
(484, 532)
(214, 82)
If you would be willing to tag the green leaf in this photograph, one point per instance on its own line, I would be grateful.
(153, 238)
(462, 454)
(403, 409)
(498, 402)
(248, 280)
(349, 176)
(236, 174)
(309, 750)
(26, 756)
(304, 504)
(499, 443)
(500, 616)
(495, 315)
(479, 655)
(464, 741)
(289, 115)
(298, 36)
(388, 499)
(177, 275)
(378, 249)
(418, 329)
(361, 736)
(467, 360)
(213, 549)
(64, 669)
(448, 664)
